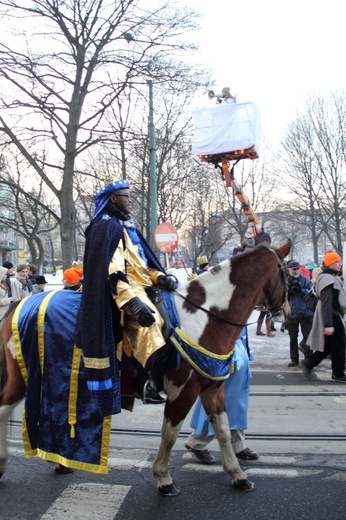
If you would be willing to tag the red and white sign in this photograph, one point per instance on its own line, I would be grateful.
(166, 237)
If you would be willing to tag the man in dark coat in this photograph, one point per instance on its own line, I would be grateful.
(298, 286)
(118, 266)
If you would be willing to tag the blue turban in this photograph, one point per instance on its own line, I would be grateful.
(103, 195)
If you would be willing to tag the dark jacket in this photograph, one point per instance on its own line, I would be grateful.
(297, 288)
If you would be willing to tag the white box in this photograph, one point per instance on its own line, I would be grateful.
(226, 128)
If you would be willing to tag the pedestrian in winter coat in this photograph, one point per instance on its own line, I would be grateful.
(10, 274)
(5, 300)
(40, 284)
(298, 286)
(327, 335)
(21, 284)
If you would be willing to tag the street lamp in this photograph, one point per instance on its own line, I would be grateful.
(152, 169)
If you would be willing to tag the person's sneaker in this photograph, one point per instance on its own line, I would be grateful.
(341, 379)
(293, 364)
(203, 456)
(150, 396)
(247, 454)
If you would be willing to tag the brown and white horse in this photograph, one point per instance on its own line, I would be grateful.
(212, 309)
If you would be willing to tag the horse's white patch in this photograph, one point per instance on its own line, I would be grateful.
(219, 291)
(12, 347)
(173, 391)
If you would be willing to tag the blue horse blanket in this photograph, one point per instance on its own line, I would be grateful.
(61, 421)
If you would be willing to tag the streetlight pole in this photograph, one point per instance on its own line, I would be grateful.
(152, 170)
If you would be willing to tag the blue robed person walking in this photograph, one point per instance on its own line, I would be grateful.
(237, 388)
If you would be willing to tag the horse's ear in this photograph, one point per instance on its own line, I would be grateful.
(283, 251)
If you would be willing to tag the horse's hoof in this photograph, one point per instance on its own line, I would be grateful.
(170, 490)
(63, 470)
(244, 485)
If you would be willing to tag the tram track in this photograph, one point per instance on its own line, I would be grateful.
(249, 435)
(267, 436)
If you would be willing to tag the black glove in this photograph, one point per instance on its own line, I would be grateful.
(167, 281)
(141, 311)
(294, 288)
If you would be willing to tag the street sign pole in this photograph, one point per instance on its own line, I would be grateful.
(166, 239)
(152, 169)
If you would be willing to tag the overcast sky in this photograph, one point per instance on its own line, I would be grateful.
(273, 53)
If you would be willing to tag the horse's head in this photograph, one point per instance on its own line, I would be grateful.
(265, 268)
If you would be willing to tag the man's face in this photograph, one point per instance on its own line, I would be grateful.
(121, 200)
(294, 272)
(23, 273)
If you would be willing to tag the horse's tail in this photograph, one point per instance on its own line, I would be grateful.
(3, 369)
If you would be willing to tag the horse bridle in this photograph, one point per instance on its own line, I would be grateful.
(273, 310)
(281, 276)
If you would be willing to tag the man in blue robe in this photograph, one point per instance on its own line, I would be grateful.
(118, 267)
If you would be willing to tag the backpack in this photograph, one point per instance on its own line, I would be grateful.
(311, 299)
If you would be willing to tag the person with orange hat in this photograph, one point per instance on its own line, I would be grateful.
(327, 335)
(71, 278)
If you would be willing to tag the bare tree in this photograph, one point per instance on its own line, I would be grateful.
(314, 169)
(78, 58)
(26, 213)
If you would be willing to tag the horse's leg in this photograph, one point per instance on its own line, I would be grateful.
(5, 412)
(12, 393)
(213, 400)
(181, 395)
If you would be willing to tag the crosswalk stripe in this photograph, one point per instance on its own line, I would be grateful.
(118, 463)
(87, 501)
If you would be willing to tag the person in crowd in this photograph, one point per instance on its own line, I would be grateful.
(264, 315)
(203, 264)
(72, 278)
(5, 300)
(227, 97)
(40, 285)
(32, 273)
(21, 283)
(237, 388)
(310, 265)
(298, 285)
(9, 276)
(119, 263)
(315, 272)
(327, 336)
(305, 272)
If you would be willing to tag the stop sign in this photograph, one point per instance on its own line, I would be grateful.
(166, 237)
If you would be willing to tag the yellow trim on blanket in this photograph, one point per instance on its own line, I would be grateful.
(40, 326)
(194, 365)
(73, 394)
(191, 343)
(101, 468)
(28, 450)
(17, 342)
(96, 362)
